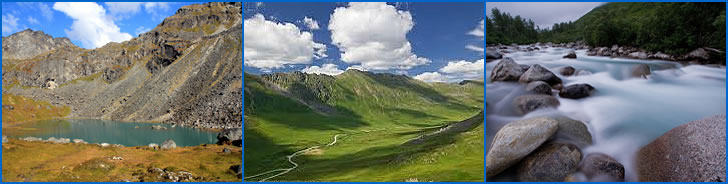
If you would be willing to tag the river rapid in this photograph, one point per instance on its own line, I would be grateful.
(625, 113)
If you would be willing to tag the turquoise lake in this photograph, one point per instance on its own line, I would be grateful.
(114, 132)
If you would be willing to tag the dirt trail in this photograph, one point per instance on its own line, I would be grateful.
(290, 160)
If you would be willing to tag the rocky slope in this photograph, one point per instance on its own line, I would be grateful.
(186, 71)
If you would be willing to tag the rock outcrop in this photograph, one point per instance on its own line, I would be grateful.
(515, 141)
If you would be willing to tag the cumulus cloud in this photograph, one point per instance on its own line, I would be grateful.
(32, 20)
(10, 23)
(90, 25)
(122, 10)
(45, 11)
(374, 35)
(479, 31)
(455, 71)
(270, 44)
(310, 23)
(328, 69)
(357, 67)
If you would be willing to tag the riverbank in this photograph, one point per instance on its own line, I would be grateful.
(25, 161)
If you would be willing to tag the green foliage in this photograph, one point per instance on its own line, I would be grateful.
(670, 27)
(505, 29)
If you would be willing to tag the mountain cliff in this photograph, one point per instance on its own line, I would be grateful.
(185, 71)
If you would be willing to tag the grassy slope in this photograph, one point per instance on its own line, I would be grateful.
(26, 110)
(377, 113)
(40, 162)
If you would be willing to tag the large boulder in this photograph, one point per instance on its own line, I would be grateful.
(576, 91)
(641, 71)
(529, 103)
(540, 87)
(574, 130)
(516, 140)
(551, 162)
(506, 70)
(539, 73)
(492, 54)
(692, 152)
(699, 54)
(169, 144)
(232, 136)
(602, 168)
(566, 70)
(571, 55)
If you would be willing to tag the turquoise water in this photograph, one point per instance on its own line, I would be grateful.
(114, 132)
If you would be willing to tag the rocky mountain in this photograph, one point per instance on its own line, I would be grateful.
(185, 71)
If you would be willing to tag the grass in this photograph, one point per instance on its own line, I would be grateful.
(27, 110)
(377, 114)
(42, 162)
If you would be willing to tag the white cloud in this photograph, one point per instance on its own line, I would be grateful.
(455, 71)
(474, 48)
(32, 20)
(142, 29)
(45, 11)
(269, 44)
(431, 77)
(328, 69)
(357, 67)
(374, 35)
(90, 25)
(153, 7)
(10, 23)
(122, 10)
(479, 31)
(310, 23)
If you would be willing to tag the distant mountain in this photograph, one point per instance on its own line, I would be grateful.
(186, 71)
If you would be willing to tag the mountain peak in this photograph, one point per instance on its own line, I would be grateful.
(28, 43)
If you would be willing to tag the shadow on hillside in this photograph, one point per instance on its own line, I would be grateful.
(262, 154)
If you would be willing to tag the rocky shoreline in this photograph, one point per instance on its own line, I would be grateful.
(550, 148)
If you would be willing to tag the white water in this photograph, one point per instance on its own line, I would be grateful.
(625, 113)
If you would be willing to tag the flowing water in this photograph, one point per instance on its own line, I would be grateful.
(625, 113)
(113, 132)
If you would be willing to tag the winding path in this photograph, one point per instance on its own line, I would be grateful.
(290, 160)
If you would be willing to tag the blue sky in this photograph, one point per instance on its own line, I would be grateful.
(94, 21)
(375, 34)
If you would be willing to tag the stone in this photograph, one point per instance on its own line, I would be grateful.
(566, 71)
(5, 139)
(662, 56)
(232, 136)
(153, 146)
(159, 127)
(492, 54)
(116, 158)
(105, 145)
(638, 55)
(641, 71)
(574, 130)
(506, 70)
(78, 141)
(524, 67)
(576, 91)
(237, 170)
(699, 54)
(602, 168)
(516, 140)
(692, 152)
(539, 73)
(540, 87)
(551, 162)
(31, 139)
(529, 103)
(168, 144)
(571, 55)
(226, 150)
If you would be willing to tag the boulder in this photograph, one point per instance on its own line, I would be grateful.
(641, 71)
(662, 56)
(153, 146)
(5, 139)
(699, 54)
(237, 170)
(539, 73)
(232, 136)
(63, 140)
(692, 152)
(492, 54)
(571, 55)
(506, 70)
(602, 168)
(638, 55)
(226, 150)
(540, 87)
(158, 127)
(104, 144)
(551, 162)
(576, 91)
(78, 141)
(566, 71)
(516, 140)
(524, 67)
(168, 144)
(32, 139)
(529, 103)
(575, 130)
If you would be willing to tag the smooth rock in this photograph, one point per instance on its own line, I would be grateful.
(539, 87)
(506, 70)
(641, 71)
(692, 152)
(574, 130)
(232, 136)
(699, 54)
(638, 55)
(551, 162)
(5, 139)
(516, 140)
(529, 103)
(602, 168)
(492, 54)
(168, 144)
(539, 73)
(571, 55)
(576, 91)
(77, 141)
(566, 71)
(104, 144)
